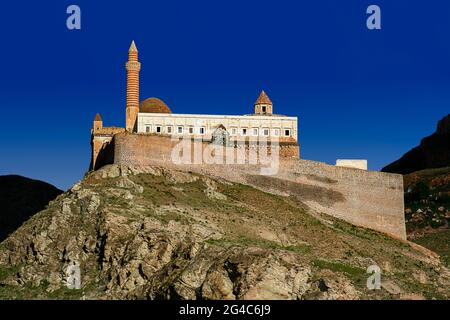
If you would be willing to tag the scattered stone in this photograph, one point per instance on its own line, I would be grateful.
(411, 296)
(391, 287)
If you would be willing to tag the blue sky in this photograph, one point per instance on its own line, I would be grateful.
(357, 93)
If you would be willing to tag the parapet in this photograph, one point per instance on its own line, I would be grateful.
(352, 163)
(109, 131)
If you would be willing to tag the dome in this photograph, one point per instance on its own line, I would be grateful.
(154, 105)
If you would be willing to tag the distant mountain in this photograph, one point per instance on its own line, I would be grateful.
(433, 152)
(21, 198)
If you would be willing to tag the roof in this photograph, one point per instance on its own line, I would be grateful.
(263, 98)
(98, 117)
(154, 105)
(133, 47)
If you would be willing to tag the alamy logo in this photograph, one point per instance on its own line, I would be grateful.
(73, 21)
(260, 151)
(374, 20)
(74, 277)
(374, 280)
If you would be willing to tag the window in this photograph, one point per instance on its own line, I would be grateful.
(265, 132)
(169, 129)
(287, 132)
(191, 130)
(233, 131)
(244, 131)
(255, 131)
(264, 109)
(201, 130)
(158, 129)
(148, 129)
(180, 129)
(276, 132)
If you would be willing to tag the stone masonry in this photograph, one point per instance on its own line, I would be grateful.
(365, 198)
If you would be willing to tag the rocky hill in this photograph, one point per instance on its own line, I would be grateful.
(427, 209)
(426, 170)
(433, 152)
(155, 233)
(20, 198)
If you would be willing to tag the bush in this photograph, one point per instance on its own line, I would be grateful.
(419, 191)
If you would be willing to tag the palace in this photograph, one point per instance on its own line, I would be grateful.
(153, 117)
(154, 136)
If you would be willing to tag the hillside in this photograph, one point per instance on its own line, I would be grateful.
(20, 198)
(433, 152)
(427, 209)
(156, 233)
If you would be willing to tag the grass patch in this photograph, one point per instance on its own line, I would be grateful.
(258, 242)
(358, 275)
(339, 267)
(6, 272)
(439, 243)
(166, 217)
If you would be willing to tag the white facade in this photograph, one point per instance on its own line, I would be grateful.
(205, 125)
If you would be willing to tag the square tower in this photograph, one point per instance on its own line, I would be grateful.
(263, 105)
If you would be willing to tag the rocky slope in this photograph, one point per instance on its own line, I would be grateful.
(433, 152)
(20, 198)
(427, 209)
(155, 233)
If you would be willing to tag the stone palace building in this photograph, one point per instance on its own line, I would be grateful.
(153, 135)
(153, 117)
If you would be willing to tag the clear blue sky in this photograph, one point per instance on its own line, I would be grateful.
(357, 93)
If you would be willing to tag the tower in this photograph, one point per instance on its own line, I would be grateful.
(263, 105)
(133, 67)
(96, 143)
(98, 123)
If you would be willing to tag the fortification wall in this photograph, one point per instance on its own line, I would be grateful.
(364, 198)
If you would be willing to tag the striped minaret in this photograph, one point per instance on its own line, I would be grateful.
(133, 67)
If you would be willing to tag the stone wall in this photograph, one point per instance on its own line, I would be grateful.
(352, 163)
(100, 139)
(364, 198)
(98, 144)
(143, 147)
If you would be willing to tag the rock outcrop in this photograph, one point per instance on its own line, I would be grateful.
(433, 152)
(156, 233)
(427, 209)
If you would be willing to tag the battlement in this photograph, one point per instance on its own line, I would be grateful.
(108, 131)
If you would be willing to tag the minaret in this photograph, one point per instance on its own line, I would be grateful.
(263, 105)
(133, 67)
